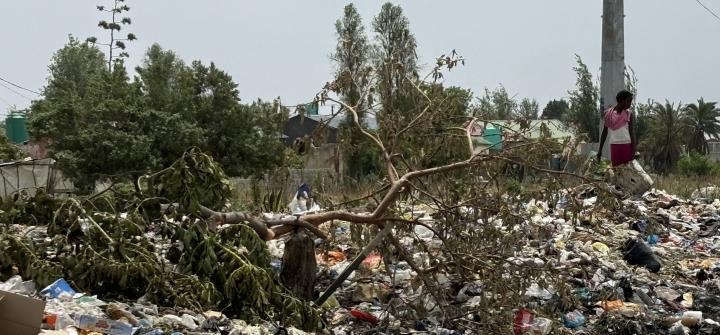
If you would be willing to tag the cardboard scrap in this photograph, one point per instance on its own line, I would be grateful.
(20, 315)
(86, 322)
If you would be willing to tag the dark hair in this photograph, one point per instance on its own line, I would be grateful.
(622, 95)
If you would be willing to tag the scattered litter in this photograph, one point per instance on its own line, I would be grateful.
(364, 316)
(58, 288)
(573, 319)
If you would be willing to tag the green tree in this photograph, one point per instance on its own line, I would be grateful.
(351, 58)
(555, 109)
(107, 134)
(114, 27)
(667, 128)
(495, 105)
(528, 109)
(703, 121)
(396, 60)
(73, 66)
(453, 113)
(352, 53)
(584, 103)
(168, 89)
(243, 138)
(60, 113)
(125, 128)
(642, 114)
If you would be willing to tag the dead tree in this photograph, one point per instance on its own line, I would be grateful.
(468, 256)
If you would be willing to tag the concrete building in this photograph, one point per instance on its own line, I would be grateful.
(326, 155)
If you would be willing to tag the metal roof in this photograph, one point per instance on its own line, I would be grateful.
(556, 127)
(337, 119)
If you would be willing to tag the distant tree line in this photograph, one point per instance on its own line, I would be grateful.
(106, 122)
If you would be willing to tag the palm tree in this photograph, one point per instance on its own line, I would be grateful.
(703, 121)
(667, 128)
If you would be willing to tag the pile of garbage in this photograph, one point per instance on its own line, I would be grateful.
(646, 264)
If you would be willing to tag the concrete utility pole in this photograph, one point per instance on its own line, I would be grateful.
(612, 79)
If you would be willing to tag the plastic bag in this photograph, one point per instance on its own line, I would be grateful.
(16, 285)
(62, 321)
(610, 305)
(601, 247)
(706, 303)
(293, 206)
(364, 316)
(540, 326)
(11, 284)
(666, 293)
(188, 321)
(573, 319)
(637, 252)
(522, 322)
(57, 288)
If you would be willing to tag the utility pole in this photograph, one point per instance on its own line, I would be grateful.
(612, 78)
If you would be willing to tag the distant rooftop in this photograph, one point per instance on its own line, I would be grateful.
(556, 127)
(335, 122)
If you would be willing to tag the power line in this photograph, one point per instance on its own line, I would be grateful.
(708, 9)
(20, 87)
(3, 100)
(11, 90)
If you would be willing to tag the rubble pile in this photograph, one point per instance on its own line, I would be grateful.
(647, 264)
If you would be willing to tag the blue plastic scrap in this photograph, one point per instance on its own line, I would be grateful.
(57, 288)
(573, 319)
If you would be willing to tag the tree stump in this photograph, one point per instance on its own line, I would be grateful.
(299, 266)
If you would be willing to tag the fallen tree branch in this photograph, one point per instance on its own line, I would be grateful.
(238, 217)
(298, 223)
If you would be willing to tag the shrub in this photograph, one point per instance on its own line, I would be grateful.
(513, 186)
(697, 165)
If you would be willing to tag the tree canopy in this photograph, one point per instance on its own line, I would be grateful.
(528, 108)
(104, 124)
(584, 109)
(555, 109)
(667, 129)
(703, 121)
(495, 104)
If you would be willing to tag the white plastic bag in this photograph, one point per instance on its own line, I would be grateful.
(293, 206)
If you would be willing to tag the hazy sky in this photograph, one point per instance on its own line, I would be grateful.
(280, 47)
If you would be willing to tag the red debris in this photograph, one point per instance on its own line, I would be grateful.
(364, 316)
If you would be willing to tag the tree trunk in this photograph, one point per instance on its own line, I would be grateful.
(135, 177)
(151, 186)
(299, 266)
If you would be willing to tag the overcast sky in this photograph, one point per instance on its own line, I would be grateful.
(280, 47)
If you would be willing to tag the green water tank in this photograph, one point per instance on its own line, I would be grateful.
(555, 162)
(15, 128)
(494, 136)
(311, 108)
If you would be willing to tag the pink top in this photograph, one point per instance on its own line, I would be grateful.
(615, 121)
